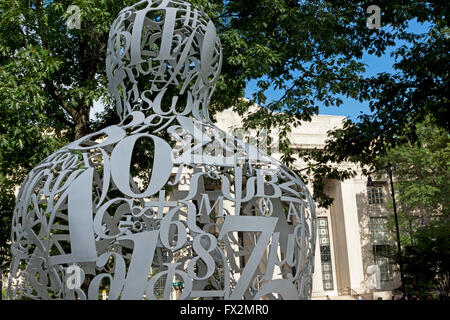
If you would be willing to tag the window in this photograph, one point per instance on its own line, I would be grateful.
(382, 261)
(325, 254)
(378, 230)
(381, 247)
(375, 195)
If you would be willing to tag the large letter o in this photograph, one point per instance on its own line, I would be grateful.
(121, 161)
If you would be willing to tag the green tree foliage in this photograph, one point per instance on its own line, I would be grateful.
(311, 50)
(398, 102)
(422, 179)
(422, 171)
(422, 187)
(426, 263)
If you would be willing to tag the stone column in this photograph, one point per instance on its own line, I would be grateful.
(345, 231)
(352, 234)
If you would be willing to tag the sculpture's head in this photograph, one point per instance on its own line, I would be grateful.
(163, 57)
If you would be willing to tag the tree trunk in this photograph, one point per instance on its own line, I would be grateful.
(81, 119)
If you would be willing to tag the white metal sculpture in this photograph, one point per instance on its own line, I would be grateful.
(215, 218)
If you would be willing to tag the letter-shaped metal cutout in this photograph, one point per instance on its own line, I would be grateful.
(121, 162)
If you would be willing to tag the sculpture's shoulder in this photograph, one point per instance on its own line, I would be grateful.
(46, 182)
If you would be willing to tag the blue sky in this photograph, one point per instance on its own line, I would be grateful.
(352, 108)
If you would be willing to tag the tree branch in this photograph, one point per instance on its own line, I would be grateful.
(50, 89)
(40, 28)
(59, 117)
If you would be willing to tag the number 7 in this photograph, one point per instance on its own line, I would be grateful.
(266, 225)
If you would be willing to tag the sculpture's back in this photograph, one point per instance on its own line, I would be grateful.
(212, 217)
